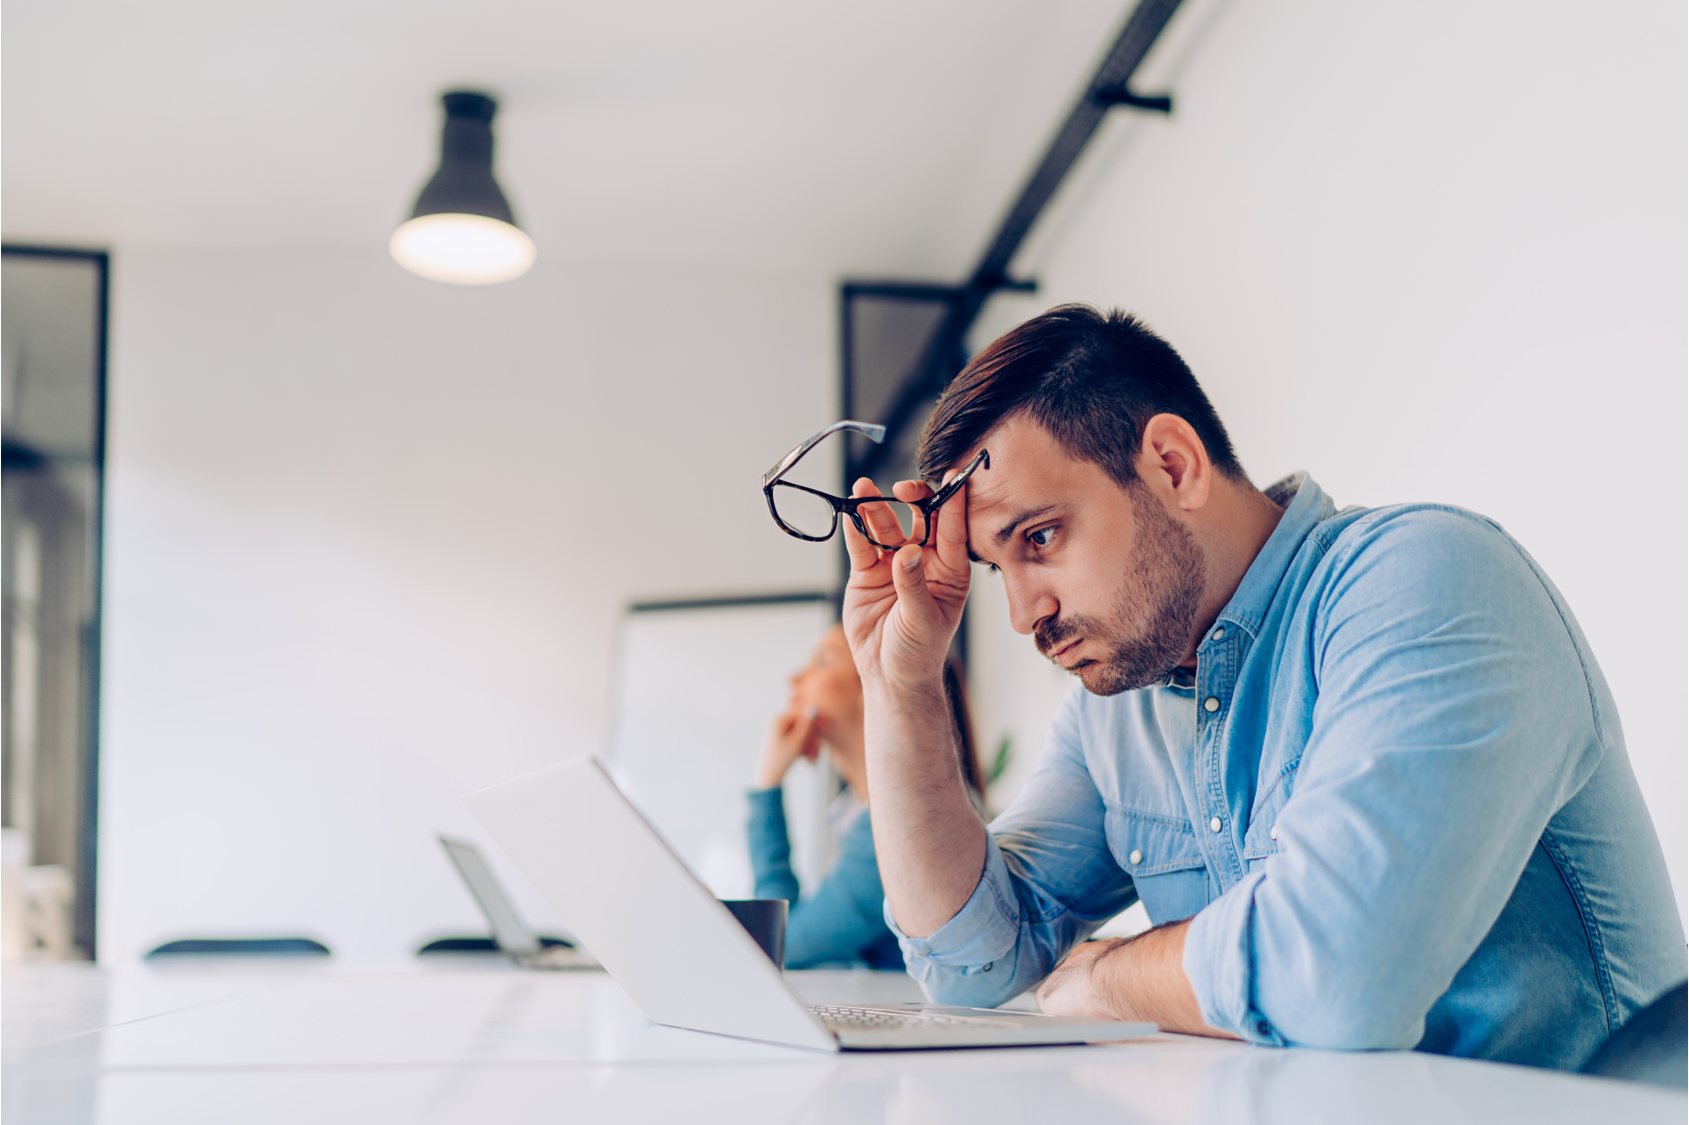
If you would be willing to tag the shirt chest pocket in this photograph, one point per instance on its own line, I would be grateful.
(1162, 858)
(1261, 839)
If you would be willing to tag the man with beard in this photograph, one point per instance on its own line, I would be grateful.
(1360, 766)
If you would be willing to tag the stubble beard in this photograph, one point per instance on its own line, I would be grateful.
(1162, 587)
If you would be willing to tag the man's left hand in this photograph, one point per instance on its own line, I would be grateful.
(1135, 979)
(1072, 990)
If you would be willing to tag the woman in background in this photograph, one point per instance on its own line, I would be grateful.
(843, 919)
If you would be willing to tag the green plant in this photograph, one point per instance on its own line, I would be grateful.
(1000, 761)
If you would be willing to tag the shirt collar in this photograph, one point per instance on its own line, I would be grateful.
(1306, 506)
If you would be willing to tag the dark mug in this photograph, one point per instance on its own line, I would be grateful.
(765, 920)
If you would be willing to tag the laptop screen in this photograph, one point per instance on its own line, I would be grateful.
(509, 930)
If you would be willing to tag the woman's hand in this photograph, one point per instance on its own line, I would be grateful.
(791, 736)
(901, 607)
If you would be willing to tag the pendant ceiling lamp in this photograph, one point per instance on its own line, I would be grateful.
(462, 230)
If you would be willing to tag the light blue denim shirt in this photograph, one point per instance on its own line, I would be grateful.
(1394, 795)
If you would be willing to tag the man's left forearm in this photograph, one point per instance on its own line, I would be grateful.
(1140, 979)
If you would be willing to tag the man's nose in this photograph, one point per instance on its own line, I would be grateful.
(1029, 606)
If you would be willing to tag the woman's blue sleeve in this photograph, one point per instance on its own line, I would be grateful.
(771, 849)
(846, 914)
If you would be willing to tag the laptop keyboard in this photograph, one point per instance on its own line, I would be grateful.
(840, 1018)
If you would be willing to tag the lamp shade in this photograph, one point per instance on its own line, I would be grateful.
(462, 230)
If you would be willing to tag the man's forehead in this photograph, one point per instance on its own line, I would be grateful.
(1025, 458)
(987, 493)
(1017, 487)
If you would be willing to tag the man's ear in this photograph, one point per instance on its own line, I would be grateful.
(1174, 462)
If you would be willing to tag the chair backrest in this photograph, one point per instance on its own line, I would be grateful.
(483, 945)
(1652, 1046)
(460, 945)
(249, 947)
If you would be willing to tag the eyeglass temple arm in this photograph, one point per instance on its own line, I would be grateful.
(981, 461)
(869, 430)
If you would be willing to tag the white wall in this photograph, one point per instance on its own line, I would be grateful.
(369, 537)
(1430, 251)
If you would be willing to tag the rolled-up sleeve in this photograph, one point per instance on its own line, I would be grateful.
(1454, 717)
(1220, 964)
(1049, 880)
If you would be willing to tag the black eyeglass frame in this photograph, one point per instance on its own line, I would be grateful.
(850, 505)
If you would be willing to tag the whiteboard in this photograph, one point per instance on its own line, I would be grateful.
(695, 687)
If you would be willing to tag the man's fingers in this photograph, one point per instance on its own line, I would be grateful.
(951, 534)
(864, 556)
(913, 597)
(912, 492)
(881, 521)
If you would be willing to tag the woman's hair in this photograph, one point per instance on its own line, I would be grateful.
(955, 690)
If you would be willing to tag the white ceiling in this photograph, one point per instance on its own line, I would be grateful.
(846, 136)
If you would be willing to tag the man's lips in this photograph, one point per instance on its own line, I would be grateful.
(1064, 650)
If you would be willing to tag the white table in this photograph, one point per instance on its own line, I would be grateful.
(463, 1039)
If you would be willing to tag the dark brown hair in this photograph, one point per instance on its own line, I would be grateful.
(956, 692)
(1092, 379)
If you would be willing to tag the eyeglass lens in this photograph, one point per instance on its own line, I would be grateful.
(803, 511)
(909, 522)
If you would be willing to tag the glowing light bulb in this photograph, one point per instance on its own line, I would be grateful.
(460, 248)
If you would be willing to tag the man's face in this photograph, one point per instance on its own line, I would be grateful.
(1106, 581)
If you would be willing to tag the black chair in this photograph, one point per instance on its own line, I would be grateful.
(249, 947)
(1652, 1046)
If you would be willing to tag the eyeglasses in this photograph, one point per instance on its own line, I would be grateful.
(814, 516)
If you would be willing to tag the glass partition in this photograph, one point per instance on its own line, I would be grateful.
(53, 336)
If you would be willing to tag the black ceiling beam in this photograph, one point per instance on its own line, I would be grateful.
(921, 290)
(902, 290)
(945, 352)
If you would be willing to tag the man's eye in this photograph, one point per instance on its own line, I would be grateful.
(1041, 537)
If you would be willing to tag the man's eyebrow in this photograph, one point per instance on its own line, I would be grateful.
(1007, 531)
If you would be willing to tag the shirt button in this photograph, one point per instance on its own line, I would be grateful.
(1218, 633)
(1211, 704)
(1136, 856)
(1274, 833)
(1215, 825)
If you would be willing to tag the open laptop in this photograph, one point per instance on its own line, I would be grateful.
(682, 956)
(511, 932)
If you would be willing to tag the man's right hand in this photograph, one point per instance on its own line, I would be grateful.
(901, 607)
